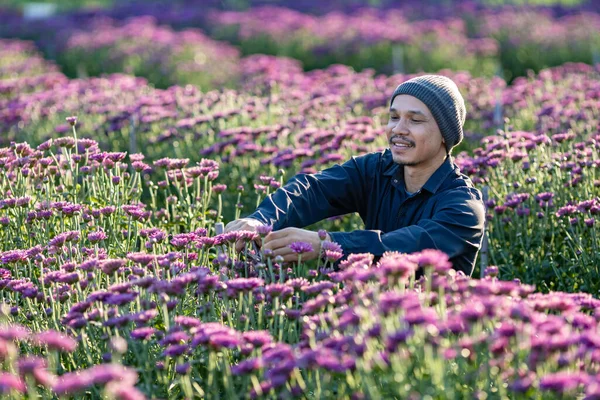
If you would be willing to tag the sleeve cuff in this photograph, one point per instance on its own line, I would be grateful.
(340, 238)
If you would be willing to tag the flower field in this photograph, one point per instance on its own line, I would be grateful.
(116, 281)
(486, 40)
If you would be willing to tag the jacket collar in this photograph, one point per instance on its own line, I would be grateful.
(389, 166)
(433, 183)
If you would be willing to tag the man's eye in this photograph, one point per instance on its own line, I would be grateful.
(417, 120)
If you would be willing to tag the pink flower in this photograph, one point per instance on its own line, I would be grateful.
(10, 382)
(56, 341)
(72, 120)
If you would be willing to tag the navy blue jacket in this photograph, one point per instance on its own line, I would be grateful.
(447, 213)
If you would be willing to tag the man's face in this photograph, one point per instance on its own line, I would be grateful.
(413, 134)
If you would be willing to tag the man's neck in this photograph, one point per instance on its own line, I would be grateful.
(416, 176)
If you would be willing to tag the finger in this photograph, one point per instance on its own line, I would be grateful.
(284, 251)
(277, 244)
(239, 246)
(293, 257)
(279, 234)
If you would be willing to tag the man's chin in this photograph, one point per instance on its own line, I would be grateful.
(404, 162)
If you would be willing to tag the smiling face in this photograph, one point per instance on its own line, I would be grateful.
(413, 134)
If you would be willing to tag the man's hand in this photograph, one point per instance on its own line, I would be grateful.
(243, 224)
(279, 242)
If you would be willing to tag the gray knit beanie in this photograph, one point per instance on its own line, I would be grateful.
(442, 97)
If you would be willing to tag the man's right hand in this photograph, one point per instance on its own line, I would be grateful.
(243, 224)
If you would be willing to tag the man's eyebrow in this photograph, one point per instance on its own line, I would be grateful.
(417, 112)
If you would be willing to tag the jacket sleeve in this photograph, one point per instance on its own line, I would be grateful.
(456, 228)
(309, 198)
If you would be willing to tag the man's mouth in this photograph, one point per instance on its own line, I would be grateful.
(400, 144)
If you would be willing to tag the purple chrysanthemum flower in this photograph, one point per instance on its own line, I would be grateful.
(322, 233)
(562, 382)
(317, 304)
(187, 322)
(243, 285)
(45, 145)
(219, 188)
(118, 321)
(334, 361)
(333, 246)
(247, 366)
(182, 239)
(70, 210)
(257, 338)
(491, 271)
(72, 382)
(56, 341)
(89, 265)
(110, 266)
(395, 265)
(178, 337)
(566, 210)
(175, 350)
(9, 382)
(206, 331)
(69, 278)
(108, 210)
(522, 384)
(72, 120)
(27, 365)
(433, 258)
(121, 299)
(124, 392)
(393, 301)
(96, 236)
(421, 316)
(144, 316)
(13, 256)
(301, 247)
(332, 256)
(183, 369)
(208, 166)
(227, 340)
(279, 290)
(318, 287)
(64, 237)
(141, 258)
(331, 251)
(36, 367)
(67, 142)
(264, 230)
(5, 273)
(297, 283)
(544, 196)
(14, 332)
(363, 260)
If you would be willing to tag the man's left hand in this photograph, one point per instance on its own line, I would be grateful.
(279, 242)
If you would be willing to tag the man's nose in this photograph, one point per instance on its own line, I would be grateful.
(400, 127)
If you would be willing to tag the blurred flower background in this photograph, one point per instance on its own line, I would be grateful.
(129, 130)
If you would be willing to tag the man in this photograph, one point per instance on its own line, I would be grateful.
(411, 196)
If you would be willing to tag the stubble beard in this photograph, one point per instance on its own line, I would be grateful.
(405, 163)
